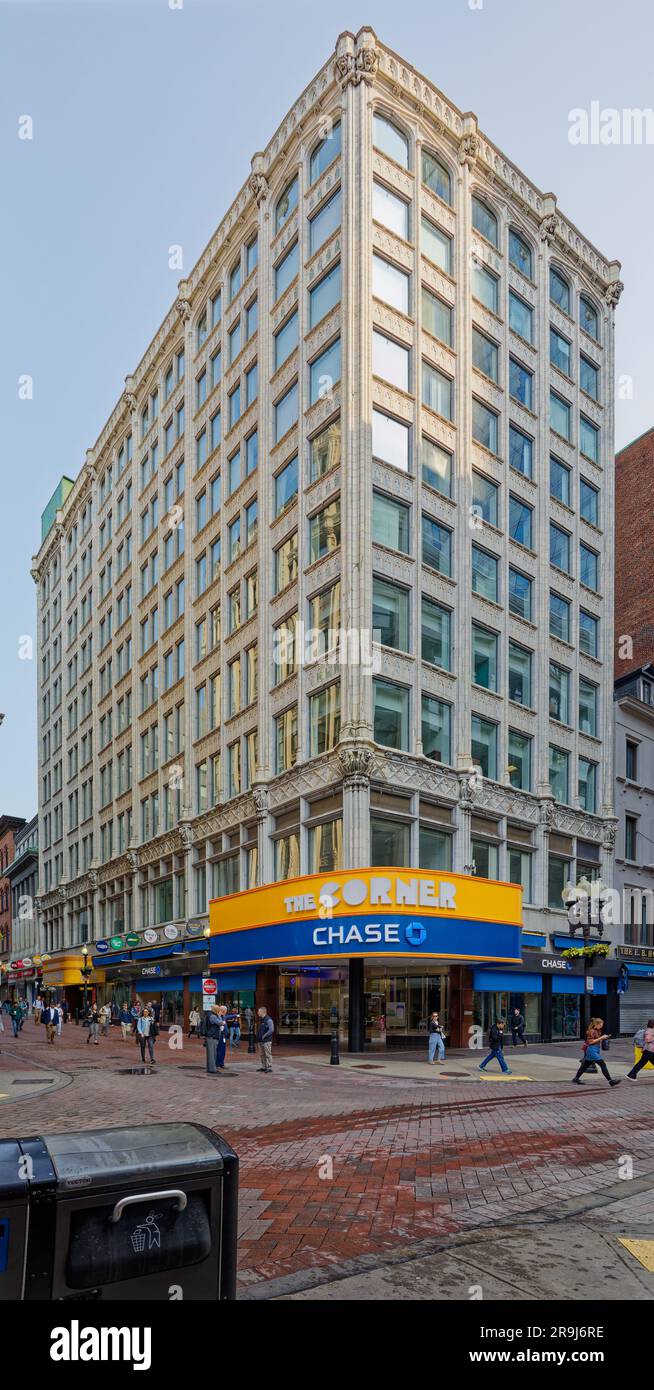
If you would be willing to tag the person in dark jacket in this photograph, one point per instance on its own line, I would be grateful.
(518, 1027)
(496, 1043)
(50, 1017)
(214, 1031)
(436, 1039)
(265, 1034)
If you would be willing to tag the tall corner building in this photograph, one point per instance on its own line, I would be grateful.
(325, 619)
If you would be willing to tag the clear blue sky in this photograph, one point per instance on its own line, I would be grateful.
(122, 92)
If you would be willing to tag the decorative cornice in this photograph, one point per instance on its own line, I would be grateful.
(182, 303)
(356, 762)
(612, 294)
(469, 148)
(261, 799)
(257, 182)
(549, 228)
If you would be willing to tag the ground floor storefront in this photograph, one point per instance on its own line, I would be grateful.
(369, 954)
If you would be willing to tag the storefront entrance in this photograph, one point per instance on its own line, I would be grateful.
(566, 1016)
(311, 999)
(491, 1005)
(398, 1004)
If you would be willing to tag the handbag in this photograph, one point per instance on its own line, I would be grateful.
(606, 1045)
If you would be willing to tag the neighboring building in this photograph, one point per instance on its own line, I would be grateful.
(634, 555)
(23, 875)
(383, 399)
(9, 827)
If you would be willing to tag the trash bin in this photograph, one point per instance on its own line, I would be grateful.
(143, 1212)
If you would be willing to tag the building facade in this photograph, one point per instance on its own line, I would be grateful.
(10, 826)
(23, 966)
(334, 587)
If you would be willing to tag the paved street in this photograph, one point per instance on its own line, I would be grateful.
(385, 1177)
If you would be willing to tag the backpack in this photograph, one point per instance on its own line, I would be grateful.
(203, 1026)
(494, 1035)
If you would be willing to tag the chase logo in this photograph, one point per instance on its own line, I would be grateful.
(415, 933)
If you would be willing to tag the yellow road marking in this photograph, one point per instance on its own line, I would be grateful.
(642, 1250)
(502, 1076)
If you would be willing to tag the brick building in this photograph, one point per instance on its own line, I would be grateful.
(9, 825)
(634, 556)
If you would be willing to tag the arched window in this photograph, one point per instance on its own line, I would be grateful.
(324, 153)
(559, 290)
(588, 317)
(390, 140)
(235, 280)
(435, 176)
(484, 221)
(520, 254)
(286, 204)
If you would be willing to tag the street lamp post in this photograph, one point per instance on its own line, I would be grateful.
(580, 915)
(85, 972)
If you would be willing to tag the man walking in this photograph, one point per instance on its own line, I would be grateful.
(265, 1033)
(16, 1018)
(94, 1026)
(50, 1016)
(518, 1027)
(647, 1054)
(496, 1043)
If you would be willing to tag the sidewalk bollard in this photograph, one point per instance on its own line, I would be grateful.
(252, 1047)
(334, 1060)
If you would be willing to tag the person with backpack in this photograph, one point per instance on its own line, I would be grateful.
(518, 1027)
(265, 1034)
(645, 1040)
(436, 1039)
(214, 1031)
(496, 1044)
(592, 1053)
(16, 1018)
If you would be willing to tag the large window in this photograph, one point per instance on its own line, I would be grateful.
(560, 350)
(435, 729)
(520, 522)
(286, 740)
(520, 594)
(286, 486)
(559, 696)
(485, 570)
(588, 785)
(559, 291)
(286, 340)
(588, 377)
(436, 177)
(588, 633)
(286, 411)
(519, 674)
(390, 284)
(484, 498)
(390, 440)
(588, 317)
(325, 372)
(559, 617)
(325, 223)
(589, 439)
(325, 719)
(484, 425)
(390, 210)
(436, 624)
(324, 295)
(387, 138)
(436, 545)
(485, 287)
(286, 271)
(520, 254)
(521, 317)
(437, 317)
(390, 360)
(559, 481)
(324, 153)
(390, 523)
(325, 451)
(589, 567)
(484, 221)
(521, 384)
(484, 658)
(286, 204)
(437, 391)
(436, 245)
(587, 707)
(559, 548)
(391, 714)
(559, 773)
(588, 502)
(436, 466)
(521, 452)
(325, 531)
(485, 354)
(390, 614)
(484, 745)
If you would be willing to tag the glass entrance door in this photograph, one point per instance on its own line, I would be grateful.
(375, 1019)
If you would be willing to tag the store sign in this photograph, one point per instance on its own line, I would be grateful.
(151, 936)
(366, 913)
(208, 992)
(147, 970)
(171, 933)
(635, 953)
(117, 943)
(133, 939)
(102, 946)
(555, 963)
(194, 928)
(590, 984)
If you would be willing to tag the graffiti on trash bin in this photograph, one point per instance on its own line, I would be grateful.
(148, 1230)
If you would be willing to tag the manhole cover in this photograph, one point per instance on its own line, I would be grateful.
(456, 1076)
(367, 1066)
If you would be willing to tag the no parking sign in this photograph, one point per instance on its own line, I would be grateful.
(208, 991)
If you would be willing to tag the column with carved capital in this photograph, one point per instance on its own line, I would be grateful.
(261, 798)
(133, 861)
(356, 763)
(609, 830)
(540, 887)
(462, 838)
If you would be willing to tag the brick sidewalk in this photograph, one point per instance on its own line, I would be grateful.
(337, 1163)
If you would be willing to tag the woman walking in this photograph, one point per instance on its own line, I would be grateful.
(93, 1025)
(436, 1039)
(146, 1032)
(194, 1023)
(593, 1052)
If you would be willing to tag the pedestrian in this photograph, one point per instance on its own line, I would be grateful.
(496, 1043)
(135, 1012)
(65, 1009)
(125, 1020)
(194, 1022)
(647, 1054)
(50, 1017)
(215, 1036)
(592, 1052)
(93, 1022)
(155, 1011)
(38, 1008)
(265, 1034)
(518, 1027)
(147, 1029)
(16, 1018)
(105, 1020)
(234, 1025)
(436, 1041)
(60, 1018)
(24, 1010)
